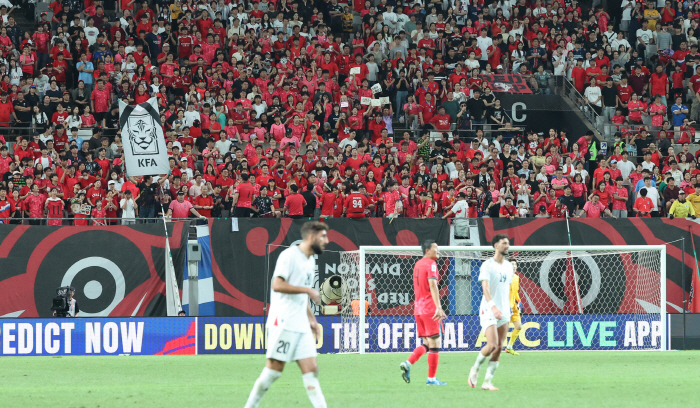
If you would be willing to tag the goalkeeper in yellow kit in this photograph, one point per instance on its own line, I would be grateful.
(515, 310)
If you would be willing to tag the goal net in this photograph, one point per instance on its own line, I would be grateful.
(573, 298)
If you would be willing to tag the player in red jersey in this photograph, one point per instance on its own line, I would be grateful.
(355, 203)
(428, 313)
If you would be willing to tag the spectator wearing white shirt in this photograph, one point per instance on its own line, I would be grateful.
(401, 20)
(191, 115)
(627, 7)
(559, 61)
(390, 18)
(617, 42)
(484, 42)
(223, 146)
(350, 140)
(129, 210)
(626, 168)
(460, 209)
(594, 95)
(454, 168)
(645, 37)
(259, 106)
(417, 34)
(91, 31)
(539, 11)
(652, 193)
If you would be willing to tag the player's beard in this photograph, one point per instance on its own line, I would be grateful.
(317, 248)
(504, 252)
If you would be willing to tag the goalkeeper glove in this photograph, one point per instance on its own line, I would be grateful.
(692, 217)
(520, 307)
(670, 217)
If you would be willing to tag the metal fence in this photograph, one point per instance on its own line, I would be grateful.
(565, 88)
(65, 221)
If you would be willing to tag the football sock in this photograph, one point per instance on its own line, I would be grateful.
(262, 384)
(491, 370)
(513, 337)
(313, 390)
(433, 359)
(417, 353)
(480, 358)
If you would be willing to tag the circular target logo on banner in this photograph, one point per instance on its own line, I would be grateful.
(556, 265)
(103, 267)
(93, 289)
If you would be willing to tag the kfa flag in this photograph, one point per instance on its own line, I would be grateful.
(142, 135)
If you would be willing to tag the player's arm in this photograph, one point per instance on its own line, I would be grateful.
(435, 294)
(315, 328)
(282, 286)
(489, 300)
(234, 199)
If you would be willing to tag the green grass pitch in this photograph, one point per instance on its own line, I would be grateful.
(533, 379)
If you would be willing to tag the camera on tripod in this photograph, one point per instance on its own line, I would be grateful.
(62, 301)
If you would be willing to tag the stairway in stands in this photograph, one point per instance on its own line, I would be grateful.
(27, 24)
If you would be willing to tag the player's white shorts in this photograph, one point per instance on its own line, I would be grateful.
(486, 318)
(287, 346)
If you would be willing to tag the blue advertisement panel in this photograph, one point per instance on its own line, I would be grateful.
(460, 333)
(101, 336)
(246, 335)
(539, 332)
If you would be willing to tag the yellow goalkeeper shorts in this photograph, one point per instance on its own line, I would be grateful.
(515, 316)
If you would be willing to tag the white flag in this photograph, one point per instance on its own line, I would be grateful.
(142, 134)
(172, 291)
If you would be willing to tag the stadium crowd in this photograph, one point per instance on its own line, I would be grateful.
(330, 109)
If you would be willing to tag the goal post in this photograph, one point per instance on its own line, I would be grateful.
(620, 301)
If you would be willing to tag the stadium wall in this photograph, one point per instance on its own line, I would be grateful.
(126, 263)
(117, 270)
(244, 252)
(606, 231)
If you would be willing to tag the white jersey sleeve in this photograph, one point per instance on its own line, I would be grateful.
(485, 272)
(282, 266)
(289, 311)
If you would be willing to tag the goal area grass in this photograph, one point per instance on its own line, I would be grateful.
(532, 379)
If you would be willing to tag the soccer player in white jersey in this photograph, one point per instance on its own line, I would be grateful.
(291, 325)
(495, 276)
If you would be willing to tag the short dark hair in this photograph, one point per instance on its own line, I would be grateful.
(497, 238)
(427, 244)
(312, 227)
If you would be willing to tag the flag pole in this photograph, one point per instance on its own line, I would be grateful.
(573, 269)
(172, 291)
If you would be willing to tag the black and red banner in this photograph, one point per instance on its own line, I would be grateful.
(240, 259)
(508, 83)
(625, 293)
(116, 270)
